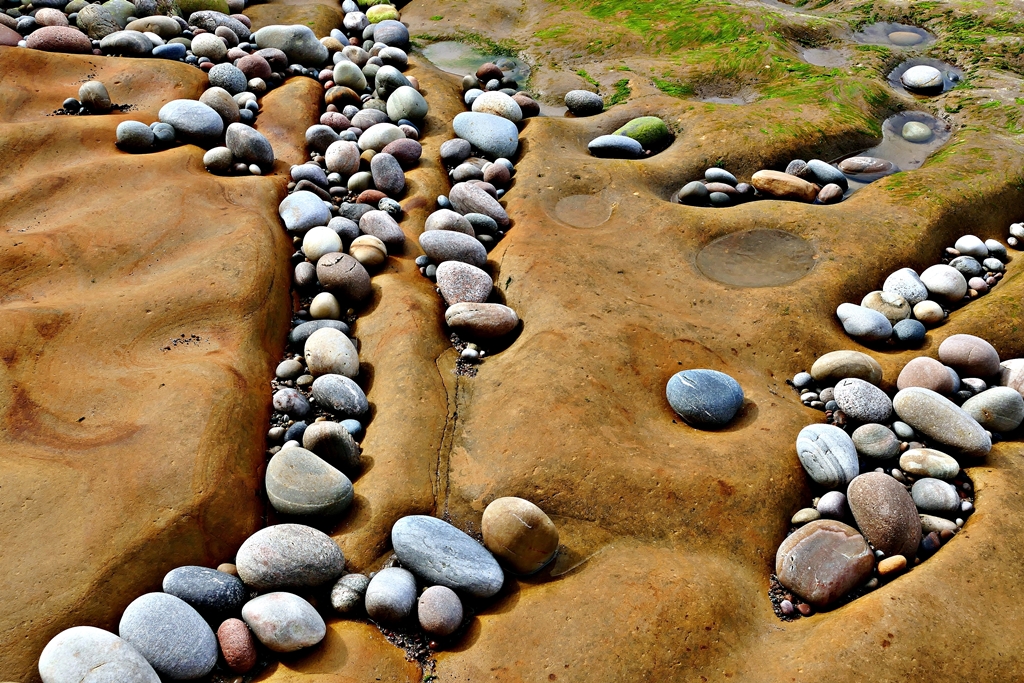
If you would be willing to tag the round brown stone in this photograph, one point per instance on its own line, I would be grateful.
(237, 645)
(228, 568)
(482, 321)
(343, 276)
(969, 355)
(254, 66)
(823, 561)
(59, 39)
(837, 365)
(885, 513)
(892, 565)
(927, 373)
(519, 534)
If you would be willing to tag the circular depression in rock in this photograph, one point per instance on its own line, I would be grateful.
(951, 76)
(897, 35)
(757, 258)
(583, 210)
(461, 59)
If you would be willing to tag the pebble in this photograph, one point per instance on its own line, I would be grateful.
(192, 120)
(59, 39)
(893, 306)
(439, 611)
(383, 226)
(84, 654)
(237, 645)
(481, 321)
(922, 78)
(620, 147)
(407, 103)
(209, 46)
(334, 443)
(935, 495)
(875, 441)
(325, 306)
(907, 283)
(822, 561)
(209, 591)
(706, 399)
(368, 250)
(936, 417)
(349, 75)
(341, 395)
(468, 198)
(342, 157)
(833, 505)
(999, 409)
(405, 150)
(830, 194)
(892, 565)
(348, 593)
(298, 42)
(583, 103)
(970, 245)
(499, 104)
(929, 313)
(291, 402)
(784, 186)
(969, 355)
(288, 556)
(445, 245)
(300, 483)
(927, 373)
(221, 101)
(927, 462)
(945, 281)
(94, 96)
(973, 384)
(460, 282)
(319, 241)
(126, 43)
(170, 634)
(862, 400)
(915, 131)
(391, 595)
(968, 267)
(824, 174)
(930, 523)
(299, 335)
(996, 250)
(330, 351)
(837, 365)
(387, 173)
(864, 323)
(455, 151)
(134, 136)
(805, 515)
(379, 135)
(284, 622)
(303, 210)
(493, 135)
(248, 146)
(909, 332)
(519, 534)
(441, 554)
(1011, 374)
(391, 32)
(828, 455)
(344, 276)
(649, 131)
(802, 380)
(446, 219)
(885, 513)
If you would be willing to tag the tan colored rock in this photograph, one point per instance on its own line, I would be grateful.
(823, 561)
(368, 250)
(892, 565)
(481, 321)
(837, 365)
(519, 534)
(784, 186)
(927, 373)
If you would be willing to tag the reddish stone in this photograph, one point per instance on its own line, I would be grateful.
(9, 37)
(59, 39)
(371, 197)
(237, 645)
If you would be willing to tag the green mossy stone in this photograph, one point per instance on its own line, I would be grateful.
(75, 6)
(379, 13)
(187, 7)
(121, 10)
(649, 131)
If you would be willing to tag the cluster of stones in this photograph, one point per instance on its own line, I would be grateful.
(640, 137)
(813, 181)
(227, 619)
(1016, 237)
(908, 302)
(888, 469)
(470, 220)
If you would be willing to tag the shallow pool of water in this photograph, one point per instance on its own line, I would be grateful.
(895, 35)
(825, 56)
(583, 210)
(757, 258)
(905, 154)
(461, 59)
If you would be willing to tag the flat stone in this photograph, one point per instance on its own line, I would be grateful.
(298, 42)
(165, 27)
(391, 595)
(341, 395)
(867, 166)
(935, 495)
(885, 513)
(863, 323)
(461, 282)
(928, 462)
(862, 400)
(237, 645)
(999, 409)
(493, 135)
(303, 210)
(284, 622)
(583, 103)
(823, 561)
(968, 266)
(970, 356)
(170, 634)
(208, 591)
(405, 150)
(837, 365)
(616, 147)
(828, 455)
(348, 594)
(707, 399)
(805, 515)
(192, 120)
(344, 276)
(299, 335)
(930, 523)
(875, 441)
(439, 611)
(823, 173)
(302, 484)
(907, 283)
(784, 186)
(519, 534)
(288, 556)
(649, 131)
(469, 198)
(330, 351)
(84, 654)
(481, 321)
(445, 245)
(941, 420)
(441, 554)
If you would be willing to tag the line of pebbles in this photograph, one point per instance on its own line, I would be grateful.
(909, 302)
(214, 624)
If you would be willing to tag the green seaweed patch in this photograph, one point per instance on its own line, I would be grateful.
(503, 48)
(673, 88)
(621, 94)
(553, 32)
(582, 73)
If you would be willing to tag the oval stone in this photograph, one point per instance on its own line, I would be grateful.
(885, 513)
(940, 419)
(390, 595)
(481, 321)
(249, 146)
(83, 654)
(329, 351)
(864, 323)
(707, 399)
(617, 147)
(381, 225)
(469, 198)
(460, 282)
(519, 534)
(823, 561)
(875, 441)
(332, 442)
(828, 455)
(303, 210)
(441, 554)
(493, 135)
(927, 373)
(837, 365)
(999, 409)
(344, 276)
(445, 245)
(170, 634)
(970, 356)
(945, 282)
(341, 395)
(927, 462)
(236, 645)
(862, 400)
(288, 556)
(284, 622)
(300, 483)
(907, 283)
(192, 120)
(935, 495)
(207, 590)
